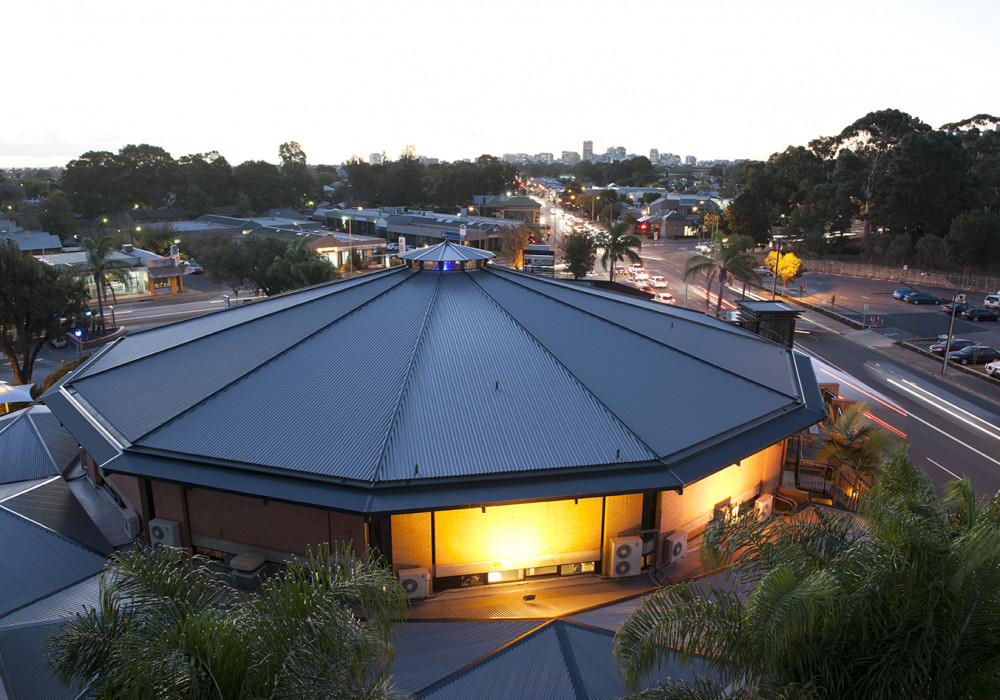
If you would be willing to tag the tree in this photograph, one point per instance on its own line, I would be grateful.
(579, 253)
(167, 626)
(728, 257)
(927, 251)
(57, 216)
(618, 245)
(973, 239)
(905, 604)
(748, 216)
(34, 297)
(261, 182)
(300, 266)
(291, 152)
(513, 241)
(98, 253)
(788, 268)
(245, 260)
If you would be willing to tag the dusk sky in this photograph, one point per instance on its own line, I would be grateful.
(457, 79)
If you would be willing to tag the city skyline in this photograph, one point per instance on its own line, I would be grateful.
(457, 81)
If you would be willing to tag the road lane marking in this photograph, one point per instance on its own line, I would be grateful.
(945, 468)
(953, 413)
(967, 446)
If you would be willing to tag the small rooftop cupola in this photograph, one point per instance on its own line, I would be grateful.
(446, 256)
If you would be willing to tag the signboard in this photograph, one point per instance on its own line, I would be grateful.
(450, 235)
(402, 244)
(461, 233)
(381, 224)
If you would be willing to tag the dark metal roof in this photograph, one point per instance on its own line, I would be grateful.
(408, 389)
(23, 454)
(36, 562)
(54, 506)
(25, 673)
(446, 252)
(560, 659)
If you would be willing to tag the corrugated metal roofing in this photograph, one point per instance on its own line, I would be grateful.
(36, 562)
(61, 445)
(23, 454)
(426, 652)
(445, 252)
(58, 606)
(54, 506)
(409, 376)
(558, 660)
(25, 670)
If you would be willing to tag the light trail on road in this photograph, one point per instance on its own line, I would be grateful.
(945, 406)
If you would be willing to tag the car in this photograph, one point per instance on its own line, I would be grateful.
(902, 292)
(921, 298)
(635, 267)
(641, 276)
(956, 344)
(977, 314)
(762, 271)
(703, 248)
(192, 268)
(993, 368)
(620, 271)
(643, 287)
(392, 246)
(992, 301)
(57, 341)
(974, 354)
(658, 281)
(959, 308)
(663, 298)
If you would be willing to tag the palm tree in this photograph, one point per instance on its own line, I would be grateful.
(905, 603)
(853, 441)
(618, 245)
(167, 626)
(729, 257)
(98, 252)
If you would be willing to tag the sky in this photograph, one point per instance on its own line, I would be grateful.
(728, 79)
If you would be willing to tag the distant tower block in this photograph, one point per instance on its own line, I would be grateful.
(588, 150)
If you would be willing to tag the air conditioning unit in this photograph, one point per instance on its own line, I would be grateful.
(765, 504)
(165, 532)
(675, 546)
(416, 582)
(133, 526)
(626, 556)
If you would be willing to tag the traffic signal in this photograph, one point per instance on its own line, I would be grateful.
(643, 227)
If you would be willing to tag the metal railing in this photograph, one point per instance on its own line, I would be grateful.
(949, 280)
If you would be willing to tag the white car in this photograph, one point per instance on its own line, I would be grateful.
(993, 368)
(640, 276)
(664, 298)
(658, 282)
(703, 248)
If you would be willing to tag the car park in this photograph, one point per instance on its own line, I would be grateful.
(663, 298)
(993, 368)
(921, 298)
(974, 354)
(956, 344)
(977, 314)
(658, 281)
(902, 292)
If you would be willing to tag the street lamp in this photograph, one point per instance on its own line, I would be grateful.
(777, 264)
(592, 200)
(956, 299)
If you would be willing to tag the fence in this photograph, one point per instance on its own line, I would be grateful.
(970, 283)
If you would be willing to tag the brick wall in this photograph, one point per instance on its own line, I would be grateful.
(758, 473)
(411, 541)
(620, 513)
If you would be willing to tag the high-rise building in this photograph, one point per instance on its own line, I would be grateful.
(376, 158)
(654, 155)
(588, 150)
(570, 157)
(620, 153)
(690, 160)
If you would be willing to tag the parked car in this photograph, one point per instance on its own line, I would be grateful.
(900, 293)
(977, 314)
(956, 344)
(703, 248)
(57, 341)
(664, 298)
(974, 354)
(992, 301)
(959, 308)
(392, 246)
(191, 267)
(921, 298)
(762, 271)
(658, 281)
(993, 368)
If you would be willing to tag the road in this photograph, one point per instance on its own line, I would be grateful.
(952, 423)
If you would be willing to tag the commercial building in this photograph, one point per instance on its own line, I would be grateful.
(588, 150)
(461, 417)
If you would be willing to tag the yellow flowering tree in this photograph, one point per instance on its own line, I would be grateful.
(788, 268)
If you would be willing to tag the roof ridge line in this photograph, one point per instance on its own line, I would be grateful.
(431, 304)
(259, 365)
(586, 389)
(239, 324)
(660, 342)
(569, 658)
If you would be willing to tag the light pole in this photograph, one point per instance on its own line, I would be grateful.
(592, 200)
(956, 299)
(777, 264)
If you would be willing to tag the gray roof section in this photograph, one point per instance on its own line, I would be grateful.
(23, 453)
(25, 674)
(558, 660)
(426, 652)
(36, 562)
(389, 390)
(57, 607)
(446, 252)
(30, 241)
(54, 506)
